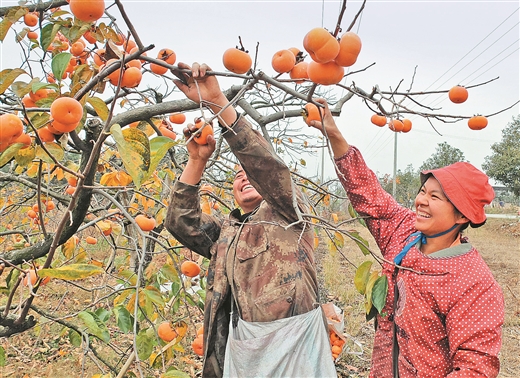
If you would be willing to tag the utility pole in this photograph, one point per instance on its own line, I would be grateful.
(394, 184)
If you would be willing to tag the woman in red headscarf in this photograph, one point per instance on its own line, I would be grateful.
(444, 310)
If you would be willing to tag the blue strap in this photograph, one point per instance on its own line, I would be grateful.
(414, 238)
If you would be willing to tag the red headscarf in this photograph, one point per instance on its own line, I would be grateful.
(466, 187)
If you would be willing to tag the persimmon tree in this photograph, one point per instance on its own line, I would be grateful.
(110, 173)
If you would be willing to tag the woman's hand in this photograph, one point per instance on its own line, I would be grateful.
(329, 128)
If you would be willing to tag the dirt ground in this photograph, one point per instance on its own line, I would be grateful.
(498, 241)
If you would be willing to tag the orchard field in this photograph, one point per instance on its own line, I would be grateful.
(91, 283)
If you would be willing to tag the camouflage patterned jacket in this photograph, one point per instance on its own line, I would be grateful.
(272, 269)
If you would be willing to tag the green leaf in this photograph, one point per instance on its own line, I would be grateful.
(175, 374)
(12, 278)
(124, 320)
(8, 76)
(94, 325)
(353, 213)
(59, 64)
(3, 360)
(103, 314)
(75, 338)
(145, 344)
(159, 146)
(368, 292)
(99, 106)
(379, 292)
(134, 148)
(154, 295)
(49, 31)
(54, 149)
(362, 243)
(71, 272)
(361, 276)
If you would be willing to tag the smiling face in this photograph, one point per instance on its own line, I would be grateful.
(435, 213)
(245, 194)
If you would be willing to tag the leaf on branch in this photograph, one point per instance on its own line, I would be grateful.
(361, 276)
(119, 178)
(59, 64)
(74, 337)
(49, 31)
(99, 106)
(94, 325)
(124, 320)
(24, 155)
(368, 293)
(53, 148)
(5, 25)
(174, 374)
(145, 344)
(68, 248)
(8, 76)
(71, 272)
(134, 148)
(379, 292)
(361, 243)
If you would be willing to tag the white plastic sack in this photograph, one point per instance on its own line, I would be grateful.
(292, 347)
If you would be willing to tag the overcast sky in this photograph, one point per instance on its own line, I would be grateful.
(450, 43)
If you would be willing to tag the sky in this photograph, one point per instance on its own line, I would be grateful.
(445, 42)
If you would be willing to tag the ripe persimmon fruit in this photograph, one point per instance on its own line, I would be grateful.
(32, 35)
(91, 240)
(24, 138)
(39, 94)
(283, 61)
(378, 120)
(131, 77)
(166, 332)
(145, 223)
(66, 111)
(28, 102)
(200, 330)
(349, 48)
(167, 132)
(190, 268)
(168, 55)
(49, 205)
(177, 118)
(30, 19)
(45, 135)
(198, 345)
(322, 46)
(202, 137)
(33, 277)
(32, 214)
(458, 94)
(11, 127)
(70, 190)
(73, 181)
(299, 71)
(325, 73)
(311, 113)
(237, 60)
(87, 10)
(158, 69)
(407, 125)
(295, 51)
(396, 125)
(477, 122)
(77, 48)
